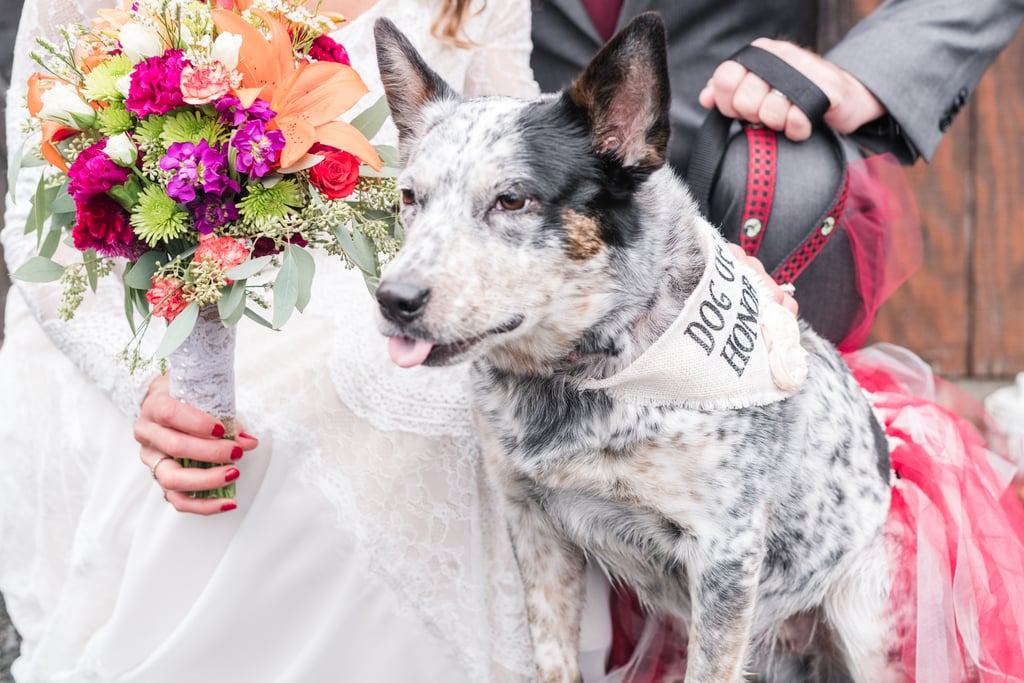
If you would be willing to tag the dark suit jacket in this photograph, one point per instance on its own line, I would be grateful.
(920, 58)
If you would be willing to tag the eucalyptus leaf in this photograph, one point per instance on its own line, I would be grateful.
(62, 201)
(129, 309)
(89, 259)
(372, 282)
(140, 274)
(178, 330)
(15, 160)
(286, 290)
(39, 210)
(50, 243)
(306, 267)
(232, 302)
(361, 251)
(248, 268)
(389, 155)
(140, 301)
(371, 119)
(256, 317)
(38, 269)
(62, 220)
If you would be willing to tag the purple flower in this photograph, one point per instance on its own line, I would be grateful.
(257, 147)
(155, 84)
(212, 212)
(196, 166)
(93, 173)
(234, 114)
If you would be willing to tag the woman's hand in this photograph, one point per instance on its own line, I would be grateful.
(168, 429)
(781, 296)
(739, 94)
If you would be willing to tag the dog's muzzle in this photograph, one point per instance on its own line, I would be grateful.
(402, 302)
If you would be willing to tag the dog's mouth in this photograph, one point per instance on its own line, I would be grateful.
(407, 352)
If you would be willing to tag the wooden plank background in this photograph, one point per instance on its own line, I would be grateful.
(962, 312)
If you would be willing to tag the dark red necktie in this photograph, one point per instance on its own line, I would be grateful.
(604, 14)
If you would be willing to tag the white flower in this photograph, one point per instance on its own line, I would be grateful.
(124, 84)
(139, 42)
(225, 49)
(121, 149)
(62, 103)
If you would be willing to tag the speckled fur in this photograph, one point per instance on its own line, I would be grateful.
(553, 244)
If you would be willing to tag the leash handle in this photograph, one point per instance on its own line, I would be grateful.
(709, 148)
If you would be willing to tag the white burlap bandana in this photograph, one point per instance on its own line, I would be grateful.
(732, 345)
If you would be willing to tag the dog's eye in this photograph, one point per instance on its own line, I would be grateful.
(510, 201)
(408, 196)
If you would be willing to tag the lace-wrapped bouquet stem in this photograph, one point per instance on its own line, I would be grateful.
(201, 144)
(202, 374)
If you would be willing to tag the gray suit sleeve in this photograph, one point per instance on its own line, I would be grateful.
(922, 59)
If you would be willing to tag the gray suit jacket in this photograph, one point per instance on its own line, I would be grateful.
(921, 58)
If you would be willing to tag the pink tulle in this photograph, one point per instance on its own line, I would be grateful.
(956, 532)
(883, 227)
(958, 554)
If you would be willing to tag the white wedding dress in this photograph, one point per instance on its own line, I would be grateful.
(366, 546)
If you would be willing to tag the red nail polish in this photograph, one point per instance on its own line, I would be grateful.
(228, 506)
(236, 453)
(231, 474)
(247, 435)
(218, 431)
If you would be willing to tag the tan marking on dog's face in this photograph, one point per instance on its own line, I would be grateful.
(583, 235)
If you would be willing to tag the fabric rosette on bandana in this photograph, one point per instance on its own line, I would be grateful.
(202, 144)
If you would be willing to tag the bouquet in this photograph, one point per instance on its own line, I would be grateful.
(198, 143)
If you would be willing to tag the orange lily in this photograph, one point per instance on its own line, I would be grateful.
(52, 131)
(308, 97)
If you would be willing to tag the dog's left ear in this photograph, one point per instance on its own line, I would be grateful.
(408, 82)
(625, 93)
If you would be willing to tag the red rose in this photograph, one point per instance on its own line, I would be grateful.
(336, 174)
(101, 224)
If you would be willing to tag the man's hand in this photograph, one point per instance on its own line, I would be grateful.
(740, 94)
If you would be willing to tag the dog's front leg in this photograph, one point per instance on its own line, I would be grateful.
(553, 578)
(723, 593)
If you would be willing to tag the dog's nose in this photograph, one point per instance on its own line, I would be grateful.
(401, 301)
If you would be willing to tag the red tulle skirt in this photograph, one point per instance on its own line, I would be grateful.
(957, 556)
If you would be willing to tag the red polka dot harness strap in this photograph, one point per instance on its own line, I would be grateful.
(757, 207)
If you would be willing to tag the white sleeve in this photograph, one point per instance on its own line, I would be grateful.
(99, 331)
(501, 60)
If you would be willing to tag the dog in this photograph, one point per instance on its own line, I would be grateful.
(549, 244)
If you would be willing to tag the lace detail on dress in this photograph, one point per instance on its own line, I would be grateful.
(97, 334)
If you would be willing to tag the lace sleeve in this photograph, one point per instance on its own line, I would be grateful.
(97, 334)
(501, 63)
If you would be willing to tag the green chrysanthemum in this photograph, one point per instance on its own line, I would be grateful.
(265, 205)
(157, 217)
(114, 119)
(192, 126)
(101, 82)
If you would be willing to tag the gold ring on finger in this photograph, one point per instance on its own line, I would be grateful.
(156, 464)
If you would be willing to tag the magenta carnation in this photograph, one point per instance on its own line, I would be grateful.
(326, 49)
(101, 224)
(155, 84)
(93, 173)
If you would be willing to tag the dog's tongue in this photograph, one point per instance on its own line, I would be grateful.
(406, 352)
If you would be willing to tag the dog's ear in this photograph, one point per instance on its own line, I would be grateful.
(408, 82)
(625, 93)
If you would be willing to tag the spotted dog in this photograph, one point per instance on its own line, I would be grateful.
(549, 244)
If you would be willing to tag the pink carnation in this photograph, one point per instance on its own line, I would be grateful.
(101, 224)
(93, 172)
(204, 84)
(166, 297)
(326, 49)
(156, 84)
(228, 251)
